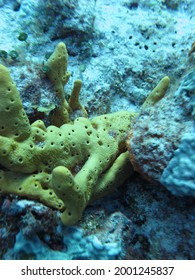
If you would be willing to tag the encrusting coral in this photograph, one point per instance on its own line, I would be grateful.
(65, 166)
(161, 141)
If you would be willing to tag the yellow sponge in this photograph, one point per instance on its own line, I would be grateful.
(64, 167)
(157, 93)
(59, 76)
(13, 120)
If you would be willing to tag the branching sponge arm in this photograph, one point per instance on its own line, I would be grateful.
(70, 193)
(14, 122)
(59, 76)
(157, 93)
